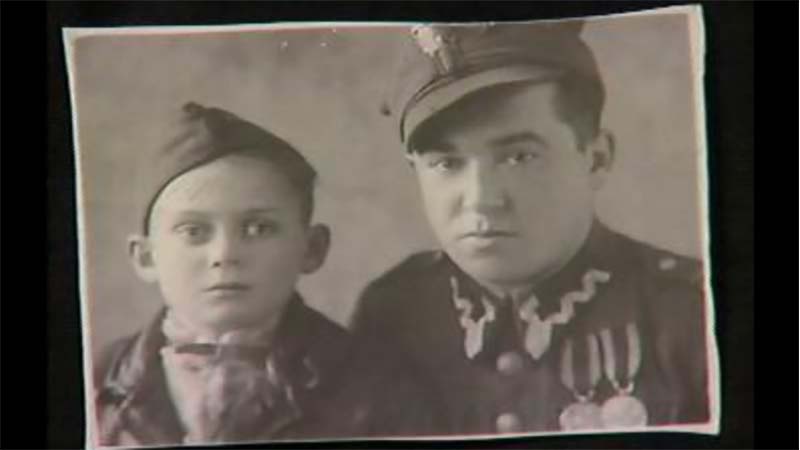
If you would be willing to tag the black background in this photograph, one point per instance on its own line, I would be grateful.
(42, 388)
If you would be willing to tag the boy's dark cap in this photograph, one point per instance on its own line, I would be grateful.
(442, 63)
(198, 136)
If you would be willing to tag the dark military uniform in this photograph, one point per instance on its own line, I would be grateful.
(616, 339)
(340, 391)
(502, 387)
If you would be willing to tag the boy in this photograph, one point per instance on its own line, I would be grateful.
(235, 355)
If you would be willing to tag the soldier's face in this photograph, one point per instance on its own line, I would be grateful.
(227, 244)
(506, 188)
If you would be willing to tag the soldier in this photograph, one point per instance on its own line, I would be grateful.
(235, 355)
(534, 315)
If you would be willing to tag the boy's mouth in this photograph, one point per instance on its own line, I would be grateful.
(228, 287)
(487, 234)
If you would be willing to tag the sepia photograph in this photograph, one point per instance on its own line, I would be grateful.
(394, 231)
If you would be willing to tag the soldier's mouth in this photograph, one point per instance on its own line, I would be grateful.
(487, 234)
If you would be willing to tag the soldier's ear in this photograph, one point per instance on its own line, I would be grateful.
(319, 242)
(601, 151)
(140, 252)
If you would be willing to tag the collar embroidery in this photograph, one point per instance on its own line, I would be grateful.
(474, 329)
(539, 331)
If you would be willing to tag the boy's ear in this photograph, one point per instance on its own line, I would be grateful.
(140, 253)
(410, 158)
(601, 151)
(319, 243)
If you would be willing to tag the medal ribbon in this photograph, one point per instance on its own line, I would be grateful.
(634, 356)
(568, 370)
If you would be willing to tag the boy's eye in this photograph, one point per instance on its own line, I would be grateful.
(520, 157)
(259, 228)
(192, 231)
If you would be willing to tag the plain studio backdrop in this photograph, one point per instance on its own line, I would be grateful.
(321, 89)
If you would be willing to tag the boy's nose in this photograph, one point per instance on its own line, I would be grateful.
(225, 250)
(483, 189)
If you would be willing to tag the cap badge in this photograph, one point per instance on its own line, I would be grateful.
(438, 45)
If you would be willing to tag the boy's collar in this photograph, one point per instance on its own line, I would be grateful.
(138, 366)
(181, 332)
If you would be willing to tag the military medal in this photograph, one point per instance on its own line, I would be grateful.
(584, 414)
(473, 329)
(581, 415)
(623, 410)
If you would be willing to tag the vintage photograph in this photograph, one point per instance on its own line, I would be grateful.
(348, 231)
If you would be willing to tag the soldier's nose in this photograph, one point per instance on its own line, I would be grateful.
(483, 189)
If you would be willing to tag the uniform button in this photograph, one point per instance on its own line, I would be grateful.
(509, 363)
(508, 423)
(667, 263)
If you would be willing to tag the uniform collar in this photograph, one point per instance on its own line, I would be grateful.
(537, 320)
(569, 278)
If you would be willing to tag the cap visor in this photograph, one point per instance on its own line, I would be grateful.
(450, 91)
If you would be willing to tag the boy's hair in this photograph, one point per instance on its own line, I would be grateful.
(578, 102)
(203, 135)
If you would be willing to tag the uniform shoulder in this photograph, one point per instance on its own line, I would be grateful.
(671, 283)
(670, 267)
(384, 304)
(411, 266)
(674, 291)
(382, 292)
(659, 264)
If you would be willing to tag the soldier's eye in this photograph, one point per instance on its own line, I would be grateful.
(260, 228)
(521, 157)
(444, 163)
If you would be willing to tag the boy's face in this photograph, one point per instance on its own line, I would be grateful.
(506, 188)
(227, 244)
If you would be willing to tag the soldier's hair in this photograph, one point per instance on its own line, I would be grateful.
(578, 102)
